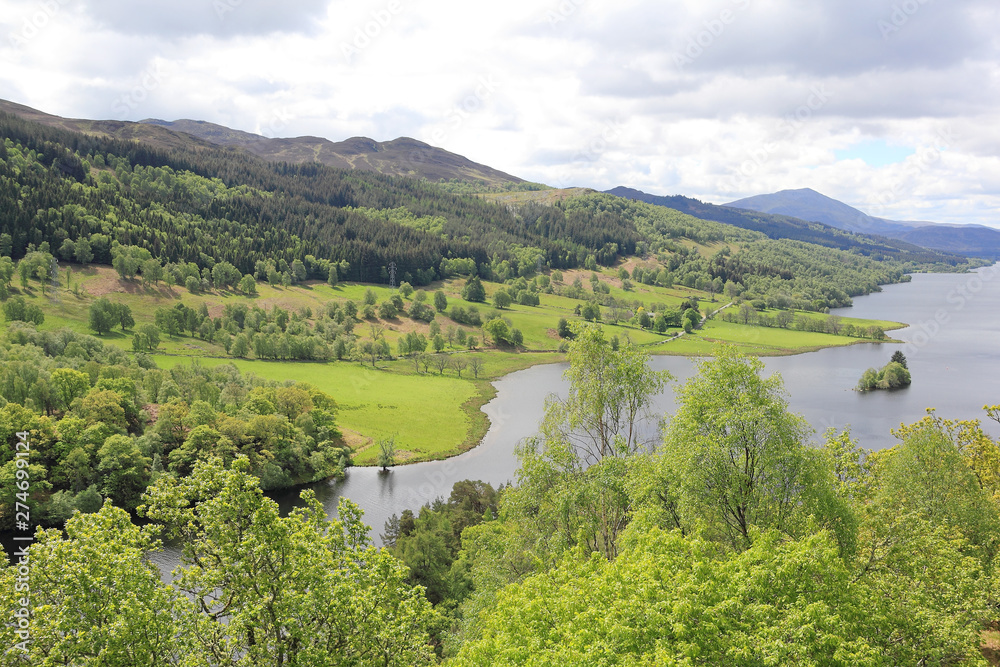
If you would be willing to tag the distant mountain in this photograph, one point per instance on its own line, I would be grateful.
(778, 226)
(807, 204)
(399, 157)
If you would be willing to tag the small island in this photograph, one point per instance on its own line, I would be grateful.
(893, 375)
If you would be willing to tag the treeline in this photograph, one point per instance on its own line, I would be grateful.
(105, 424)
(747, 313)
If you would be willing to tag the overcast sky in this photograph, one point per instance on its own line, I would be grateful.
(889, 105)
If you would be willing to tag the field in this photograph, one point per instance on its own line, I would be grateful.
(432, 413)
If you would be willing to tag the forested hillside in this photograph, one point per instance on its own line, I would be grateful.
(212, 205)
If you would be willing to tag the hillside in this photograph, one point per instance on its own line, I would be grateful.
(399, 157)
(204, 204)
(786, 227)
(807, 204)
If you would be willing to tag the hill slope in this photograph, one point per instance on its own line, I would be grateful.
(807, 204)
(399, 157)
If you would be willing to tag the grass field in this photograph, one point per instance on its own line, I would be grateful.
(424, 412)
(432, 415)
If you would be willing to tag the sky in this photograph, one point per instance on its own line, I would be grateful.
(891, 106)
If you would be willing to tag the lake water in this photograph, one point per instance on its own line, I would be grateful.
(952, 346)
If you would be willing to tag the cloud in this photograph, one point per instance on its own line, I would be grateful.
(220, 18)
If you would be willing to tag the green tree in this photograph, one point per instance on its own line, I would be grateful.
(611, 390)
(736, 457)
(248, 285)
(501, 299)
(96, 599)
(440, 301)
(315, 593)
(69, 385)
(474, 290)
(103, 316)
(387, 452)
(123, 469)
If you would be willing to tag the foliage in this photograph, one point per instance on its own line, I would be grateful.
(893, 375)
(99, 418)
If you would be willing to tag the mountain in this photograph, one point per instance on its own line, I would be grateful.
(778, 226)
(807, 204)
(400, 157)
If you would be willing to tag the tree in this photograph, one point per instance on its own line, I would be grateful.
(331, 276)
(69, 385)
(474, 290)
(124, 471)
(370, 297)
(501, 299)
(563, 329)
(103, 316)
(440, 301)
(97, 599)
(590, 311)
(82, 251)
(387, 452)
(610, 392)
(737, 455)
(441, 362)
(248, 285)
(152, 271)
(315, 593)
(499, 331)
(899, 358)
(459, 364)
(475, 365)
(783, 319)
(123, 315)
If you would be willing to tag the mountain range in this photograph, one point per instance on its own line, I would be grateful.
(804, 214)
(807, 204)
